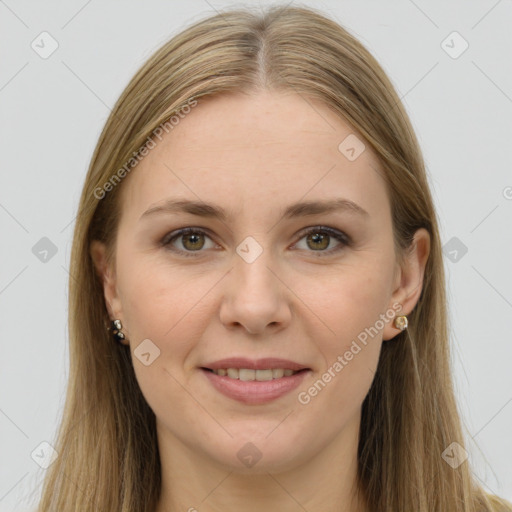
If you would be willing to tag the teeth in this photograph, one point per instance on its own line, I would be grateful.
(246, 374)
(277, 373)
(233, 373)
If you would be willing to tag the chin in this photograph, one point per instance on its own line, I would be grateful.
(259, 454)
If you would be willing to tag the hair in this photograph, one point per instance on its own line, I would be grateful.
(108, 452)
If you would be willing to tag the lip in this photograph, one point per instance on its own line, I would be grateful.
(254, 392)
(258, 364)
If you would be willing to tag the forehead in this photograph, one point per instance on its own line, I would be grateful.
(250, 152)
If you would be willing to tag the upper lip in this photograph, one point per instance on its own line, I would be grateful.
(255, 364)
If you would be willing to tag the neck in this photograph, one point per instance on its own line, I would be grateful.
(326, 483)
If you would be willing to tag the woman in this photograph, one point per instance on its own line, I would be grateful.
(257, 309)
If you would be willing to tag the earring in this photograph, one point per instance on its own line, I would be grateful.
(115, 327)
(401, 322)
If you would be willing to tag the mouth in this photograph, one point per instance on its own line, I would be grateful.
(254, 382)
(248, 374)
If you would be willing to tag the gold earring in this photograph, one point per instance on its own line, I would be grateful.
(401, 322)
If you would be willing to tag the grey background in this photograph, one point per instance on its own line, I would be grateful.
(52, 111)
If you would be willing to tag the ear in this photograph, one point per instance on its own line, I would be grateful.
(409, 279)
(106, 273)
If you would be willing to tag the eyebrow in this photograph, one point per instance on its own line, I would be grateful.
(301, 209)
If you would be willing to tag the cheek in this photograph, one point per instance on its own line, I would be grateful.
(160, 304)
(169, 307)
(351, 308)
(159, 299)
(347, 300)
(351, 304)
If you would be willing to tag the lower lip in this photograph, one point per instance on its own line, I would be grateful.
(255, 392)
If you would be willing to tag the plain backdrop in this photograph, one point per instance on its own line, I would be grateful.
(457, 89)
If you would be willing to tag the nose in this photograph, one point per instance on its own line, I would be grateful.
(255, 297)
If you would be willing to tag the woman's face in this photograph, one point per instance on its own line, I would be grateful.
(266, 279)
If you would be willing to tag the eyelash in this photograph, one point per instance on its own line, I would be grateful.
(345, 240)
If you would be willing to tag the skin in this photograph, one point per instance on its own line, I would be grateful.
(254, 155)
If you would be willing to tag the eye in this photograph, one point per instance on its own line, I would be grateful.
(192, 239)
(319, 238)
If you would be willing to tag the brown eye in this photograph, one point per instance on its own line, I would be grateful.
(193, 241)
(318, 241)
(190, 240)
(319, 238)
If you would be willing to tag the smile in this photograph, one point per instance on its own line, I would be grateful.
(254, 387)
(247, 374)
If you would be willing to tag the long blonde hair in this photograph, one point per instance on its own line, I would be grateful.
(108, 453)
